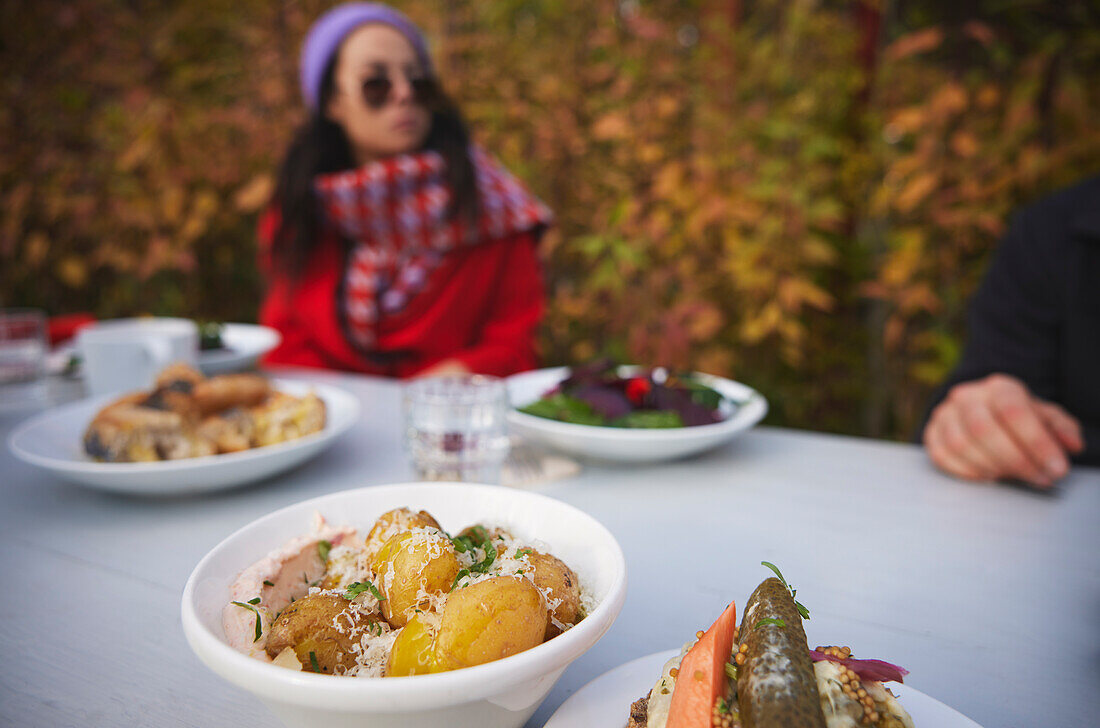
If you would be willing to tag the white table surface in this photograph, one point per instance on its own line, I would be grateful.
(989, 595)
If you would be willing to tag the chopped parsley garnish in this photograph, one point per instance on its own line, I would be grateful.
(313, 661)
(254, 611)
(357, 588)
(723, 707)
(520, 553)
(458, 577)
(481, 567)
(476, 538)
(797, 605)
(769, 620)
(323, 547)
(268, 583)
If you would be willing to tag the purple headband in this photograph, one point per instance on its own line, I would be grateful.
(329, 31)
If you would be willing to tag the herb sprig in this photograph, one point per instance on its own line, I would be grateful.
(250, 607)
(797, 605)
(769, 620)
(323, 548)
(481, 567)
(356, 588)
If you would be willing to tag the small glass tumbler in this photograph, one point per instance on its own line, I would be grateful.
(456, 427)
(22, 358)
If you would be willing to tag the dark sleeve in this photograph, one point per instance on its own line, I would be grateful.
(1014, 320)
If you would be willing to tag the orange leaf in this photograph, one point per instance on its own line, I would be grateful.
(610, 126)
(916, 191)
(255, 194)
(920, 41)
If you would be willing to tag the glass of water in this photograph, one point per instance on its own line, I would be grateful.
(22, 358)
(455, 427)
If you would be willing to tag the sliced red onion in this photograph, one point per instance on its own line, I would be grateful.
(874, 670)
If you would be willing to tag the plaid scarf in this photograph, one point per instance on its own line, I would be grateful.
(395, 213)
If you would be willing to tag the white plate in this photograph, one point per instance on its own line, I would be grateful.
(500, 694)
(605, 701)
(244, 345)
(623, 444)
(54, 440)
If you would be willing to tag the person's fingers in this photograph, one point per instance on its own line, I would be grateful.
(942, 456)
(1021, 418)
(992, 438)
(960, 443)
(1064, 425)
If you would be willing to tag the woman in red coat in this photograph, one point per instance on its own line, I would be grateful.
(394, 246)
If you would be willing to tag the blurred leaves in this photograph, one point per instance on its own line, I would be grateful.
(740, 187)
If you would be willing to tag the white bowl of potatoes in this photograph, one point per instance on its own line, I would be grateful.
(388, 606)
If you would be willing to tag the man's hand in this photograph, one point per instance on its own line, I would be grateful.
(994, 428)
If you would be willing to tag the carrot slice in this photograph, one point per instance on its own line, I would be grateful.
(702, 676)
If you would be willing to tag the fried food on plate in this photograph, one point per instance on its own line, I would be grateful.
(188, 415)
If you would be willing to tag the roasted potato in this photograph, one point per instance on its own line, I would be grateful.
(489, 620)
(550, 572)
(308, 627)
(411, 564)
(399, 520)
(413, 652)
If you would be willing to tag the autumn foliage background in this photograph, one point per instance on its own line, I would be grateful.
(799, 194)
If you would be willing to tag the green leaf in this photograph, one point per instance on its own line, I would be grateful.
(563, 408)
(254, 611)
(323, 548)
(649, 419)
(769, 620)
(805, 613)
(356, 588)
(775, 569)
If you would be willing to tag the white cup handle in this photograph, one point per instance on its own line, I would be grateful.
(159, 353)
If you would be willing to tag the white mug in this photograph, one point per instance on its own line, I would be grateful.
(124, 355)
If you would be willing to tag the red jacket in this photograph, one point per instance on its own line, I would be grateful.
(482, 306)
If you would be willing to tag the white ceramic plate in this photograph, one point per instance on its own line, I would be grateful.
(54, 439)
(244, 345)
(605, 701)
(501, 694)
(629, 445)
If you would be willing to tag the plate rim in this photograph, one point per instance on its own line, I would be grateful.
(217, 357)
(228, 356)
(183, 464)
(659, 658)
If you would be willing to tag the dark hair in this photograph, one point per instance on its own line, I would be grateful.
(320, 146)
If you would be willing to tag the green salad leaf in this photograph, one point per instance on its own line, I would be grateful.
(649, 419)
(564, 408)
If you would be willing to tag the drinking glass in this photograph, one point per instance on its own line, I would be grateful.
(22, 358)
(455, 427)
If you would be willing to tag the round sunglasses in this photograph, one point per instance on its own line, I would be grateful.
(377, 90)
